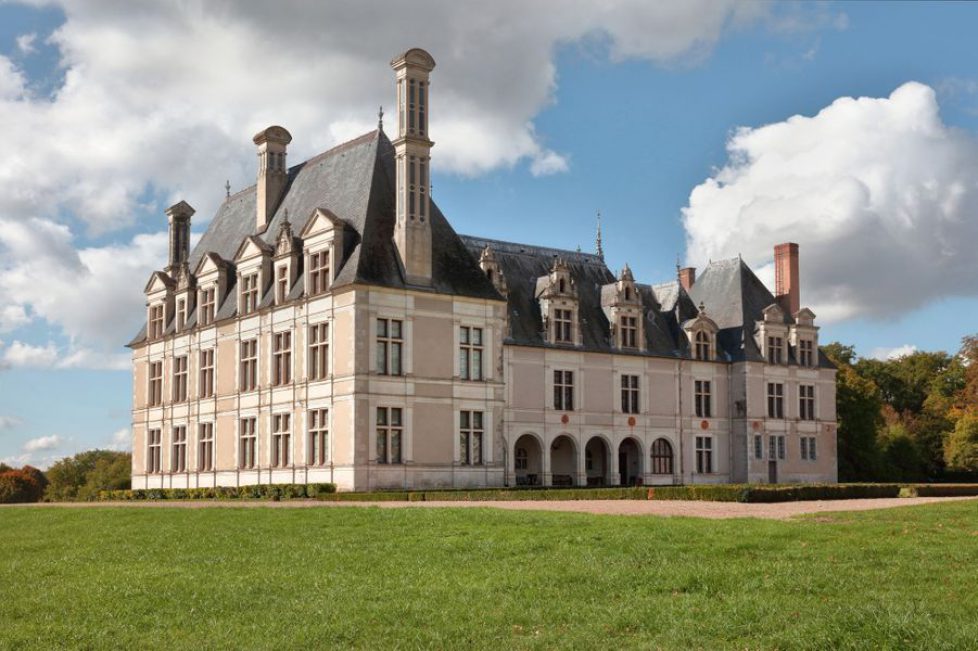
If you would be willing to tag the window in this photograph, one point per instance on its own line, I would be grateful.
(181, 313)
(563, 332)
(661, 457)
(564, 390)
(156, 321)
(389, 431)
(318, 437)
(281, 358)
(776, 447)
(206, 373)
(702, 400)
(629, 394)
(470, 353)
(629, 332)
(390, 344)
(806, 352)
(154, 451)
(704, 454)
(319, 351)
(249, 293)
(280, 440)
(758, 446)
(522, 459)
(248, 441)
(775, 400)
(470, 438)
(808, 451)
(178, 461)
(155, 384)
(249, 365)
(702, 345)
(775, 350)
(207, 302)
(180, 378)
(282, 284)
(806, 402)
(205, 446)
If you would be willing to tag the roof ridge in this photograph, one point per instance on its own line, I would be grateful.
(534, 249)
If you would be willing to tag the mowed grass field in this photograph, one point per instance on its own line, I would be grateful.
(324, 578)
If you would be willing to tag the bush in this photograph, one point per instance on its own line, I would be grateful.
(19, 486)
(264, 491)
(795, 493)
(86, 474)
(709, 493)
(939, 490)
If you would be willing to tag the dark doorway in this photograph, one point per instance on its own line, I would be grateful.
(772, 472)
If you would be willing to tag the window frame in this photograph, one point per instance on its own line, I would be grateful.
(563, 390)
(154, 395)
(249, 293)
(248, 443)
(387, 343)
(662, 457)
(704, 455)
(703, 398)
(281, 358)
(628, 326)
(775, 349)
(775, 400)
(563, 331)
(154, 451)
(205, 447)
(319, 453)
(471, 437)
(471, 353)
(178, 449)
(806, 403)
(390, 429)
(206, 373)
(318, 351)
(319, 271)
(157, 321)
(630, 392)
(281, 440)
(181, 376)
(208, 306)
(248, 365)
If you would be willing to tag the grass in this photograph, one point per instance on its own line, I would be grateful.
(481, 578)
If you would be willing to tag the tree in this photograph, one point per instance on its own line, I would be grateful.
(109, 473)
(83, 475)
(20, 486)
(961, 449)
(858, 406)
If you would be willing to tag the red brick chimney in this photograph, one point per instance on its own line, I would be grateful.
(687, 277)
(787, 290)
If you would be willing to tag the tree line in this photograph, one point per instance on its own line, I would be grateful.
(80, 477)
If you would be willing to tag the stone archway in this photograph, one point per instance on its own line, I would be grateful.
(597, 462)
(630, 462)
(528, 461)
(563, 461)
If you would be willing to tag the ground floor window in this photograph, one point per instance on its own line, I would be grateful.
(470, 438)
(205, 446)
(808, 449)
(390, 430)
(661, 457)
(281, 436)
(758, 446)
(704, 454)
(154, 451)
(178, 461)
(522, 459)
(248, 442)
(776, 447)
(319, 437)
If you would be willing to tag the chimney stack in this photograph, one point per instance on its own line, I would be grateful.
(272, 173)
(687, 276)
(787, 289)
(178, 215)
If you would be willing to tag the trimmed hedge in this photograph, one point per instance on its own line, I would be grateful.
(703, 492)
(263, 491)
(760, 493)
(939, 490)
(491, 495)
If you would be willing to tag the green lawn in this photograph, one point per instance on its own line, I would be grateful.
(481, 578)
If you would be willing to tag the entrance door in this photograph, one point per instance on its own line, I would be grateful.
(623, 468)
(772, 472)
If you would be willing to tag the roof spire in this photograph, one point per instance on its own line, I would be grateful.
(227, 189)
(380, 118)
(597, 239)
(678, 267)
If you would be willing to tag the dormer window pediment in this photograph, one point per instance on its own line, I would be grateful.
(557, 294)
(701, 332)
(322, 241)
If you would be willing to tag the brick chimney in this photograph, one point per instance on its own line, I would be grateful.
(273, 173)
(687, 276)
(787, 289)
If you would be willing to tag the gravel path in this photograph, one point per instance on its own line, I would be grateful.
(695, 509)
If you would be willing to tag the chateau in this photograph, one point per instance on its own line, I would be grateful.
(331, 326)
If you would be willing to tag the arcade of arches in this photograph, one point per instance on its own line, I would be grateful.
(565, 465)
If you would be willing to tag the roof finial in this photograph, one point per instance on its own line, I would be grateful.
(597, 239)
(227, 189)
(380, 119)
(678, 267)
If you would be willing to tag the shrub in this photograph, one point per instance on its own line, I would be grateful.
(709, 493)
(938, 490)
(18, 486)
(266, 491)
(794, 493)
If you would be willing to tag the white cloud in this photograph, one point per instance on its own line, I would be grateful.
(42, 443)
(25, 43)
(879, 193)
(548, 162)
(121, 440)
(13, 317)
(8, 422)
(21, 355)
(884, 353)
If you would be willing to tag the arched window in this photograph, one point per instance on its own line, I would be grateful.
(522, 459)
(661, 457)
(702, 345)
(588, 459)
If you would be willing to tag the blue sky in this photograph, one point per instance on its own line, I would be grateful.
(537, 127)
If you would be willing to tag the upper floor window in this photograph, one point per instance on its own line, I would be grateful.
(563, 326)
(280, 440)
(281, 358)
(564, 390)
(180, 378)
(389, 431)
(775, 400)
(156, 321)
(318, 437)
(806, 352)
(249, 293)
(629, 394)
(178, 460)
(155, 384)
(319, 351)
(704, 454)
(808, 449)
(281, 284)
(318, 272)
(702, 399)
(248, 443)
(806, 402)
(776, 447)
(629, 332)
(470, 353)
(205, 446)
(206, 373)
(154, 451)
(207, 306)
(249, 365)
(470, 438)
(390, 344)
(702, 345)
(181, 313)
(775, 350)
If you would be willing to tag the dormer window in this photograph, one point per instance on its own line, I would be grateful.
(207, 304)
(181, 313)
(249, 293)
(563, 326)
(562, 286)
(775, 350)
(281, 284)
(156, 321)
(318, 272)
(806, 352)
(702, 345)
(629, 332)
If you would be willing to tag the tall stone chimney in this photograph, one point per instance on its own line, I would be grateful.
(272, 173)
(687, 276)
(412, 148)
(787, 289)
(178, 215)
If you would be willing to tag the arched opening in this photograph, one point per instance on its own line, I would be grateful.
(528, 461)
(563, 461)
(661, 457)
(597, 462)
(629, 463)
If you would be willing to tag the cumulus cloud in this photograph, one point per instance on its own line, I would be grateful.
(42, 443)
(25, 43)
(879, 193)
(121, 440)
(884, 353)
(8, 422)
